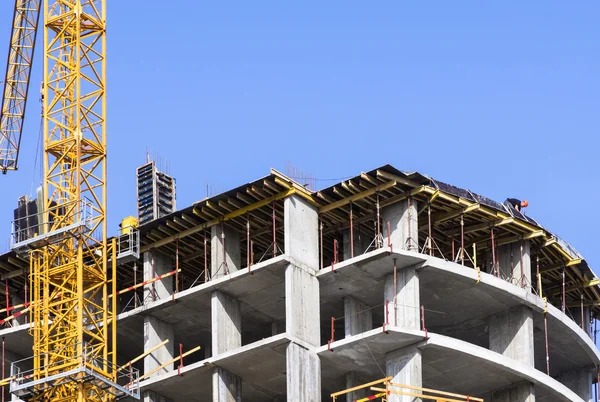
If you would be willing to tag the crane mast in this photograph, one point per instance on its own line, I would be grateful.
(16, 82)
(72, 265)
(70, 275)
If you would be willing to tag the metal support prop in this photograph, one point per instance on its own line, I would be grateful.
(330, 341)
(134, 284)
(521, 268)
(206, 271)
(321, 239)
(389, 228)
(176, 269)
(539, 276)
(248, 243)
(430, 238)
(335, 253)
(582, 315)
(274, 232)
(409, 238)
(496, 270)
(378, 234)
(351, 234)
(395, 298)
(453, 256)
(180, 359)
(564, 299)
(387, 315)
(153, 288)
(462, 240)
(423, 328)
(546, 339)
(225, 268)
(6, 292)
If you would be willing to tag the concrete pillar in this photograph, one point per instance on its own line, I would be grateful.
(227, 387)
(303, 372)
(361, 243)
(405, 367)
(407, 310)
(14, 301)
(511, 334)
(223, 234)
(579, 381)
(301, 232)
(511, 257)
(404, 225)
(521, 392)
(302, 300)
(352, 381)
(155, 332)
(358, 317)
(226, 323)
(156, 264)
(226, 335)
(277, 327)
(151, 396)
(576, 314)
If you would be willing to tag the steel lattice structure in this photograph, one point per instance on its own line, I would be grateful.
(73, 320)
(16, 83)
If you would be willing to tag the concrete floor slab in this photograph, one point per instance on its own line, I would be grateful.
(261, 365)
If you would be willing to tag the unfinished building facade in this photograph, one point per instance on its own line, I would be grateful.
(272, 292)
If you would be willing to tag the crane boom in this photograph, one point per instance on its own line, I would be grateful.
(16, 83)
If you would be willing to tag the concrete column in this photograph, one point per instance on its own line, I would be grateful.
(511, 257)
(576, 314)
(521, 392)
(151, 396)
(303, 371)
(301, 226)
(361, 243)
(579, 381)
(302, 307)
(156, 264)
(227, 387)
(358, 317)
(155, 332)
(352, 381)
(405, 366)
(226, 335)
(511, 334)
(223, 234)
(404, 225)
(407, 309)
(226, 323)
(277, 327)
(14, 301)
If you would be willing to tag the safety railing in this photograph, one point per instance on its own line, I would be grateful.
(53, 225)
(81, 365)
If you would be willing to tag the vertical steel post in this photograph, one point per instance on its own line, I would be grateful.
(462, 240)
(351, 234)
(564, 299)
(378, 234)
(495, 269)
(176, 267)
(430, 239)
(248, 241)
(395, 293)
(153, 288)
(546, 337)
(321, 239)
(274, 232)
(206, 269)
(225, 268)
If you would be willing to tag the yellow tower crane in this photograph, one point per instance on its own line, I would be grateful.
(73, 267)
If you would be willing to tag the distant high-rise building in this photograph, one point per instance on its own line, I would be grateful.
(155, 193)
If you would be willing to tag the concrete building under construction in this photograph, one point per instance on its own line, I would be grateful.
(273, 292)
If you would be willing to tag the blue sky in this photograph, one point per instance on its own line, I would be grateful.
(498, 97)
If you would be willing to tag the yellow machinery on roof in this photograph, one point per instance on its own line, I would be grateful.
(72, 272)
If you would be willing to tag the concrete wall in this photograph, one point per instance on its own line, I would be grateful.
(156, 331)
(510, 257)
(404, 225)
(405, 367)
